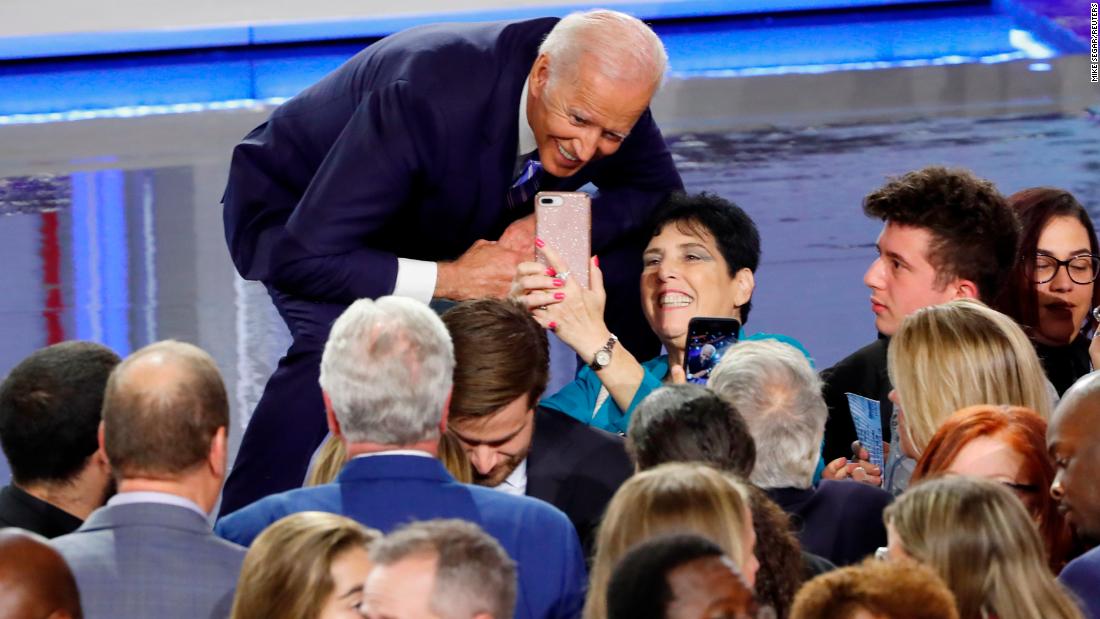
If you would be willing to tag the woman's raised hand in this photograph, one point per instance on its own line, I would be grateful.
(558, 302)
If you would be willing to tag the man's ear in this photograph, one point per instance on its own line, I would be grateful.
(101, 435)
(330, 415)
(219, 453)
(965, 289)
(744, 283)
(539, 76)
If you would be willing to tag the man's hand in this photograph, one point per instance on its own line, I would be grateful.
(485, 270)
(859, 468)
(519, 237)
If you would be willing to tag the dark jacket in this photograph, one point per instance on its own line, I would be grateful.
(838, 520)
(575, 468)
(862, 373)
(30, 513)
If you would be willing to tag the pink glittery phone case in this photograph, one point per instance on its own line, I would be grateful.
(563, 219)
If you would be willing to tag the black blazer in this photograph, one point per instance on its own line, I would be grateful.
(575, 468)
(838, 520)
(28, 512)
(863, 373)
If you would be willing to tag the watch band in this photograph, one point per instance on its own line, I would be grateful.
(596, 364)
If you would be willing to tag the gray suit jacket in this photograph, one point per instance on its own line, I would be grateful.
(151, 561)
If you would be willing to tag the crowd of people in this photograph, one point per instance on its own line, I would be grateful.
(452, 486)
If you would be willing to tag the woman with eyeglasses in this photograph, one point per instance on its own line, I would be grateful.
(1052, 290)
(1006, 444)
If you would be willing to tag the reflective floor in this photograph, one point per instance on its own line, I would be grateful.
(111, 230)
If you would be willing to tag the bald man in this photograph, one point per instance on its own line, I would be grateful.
(34, 580)
(150, 551)
(1073, 440)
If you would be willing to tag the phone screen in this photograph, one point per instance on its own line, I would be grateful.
(707, 341)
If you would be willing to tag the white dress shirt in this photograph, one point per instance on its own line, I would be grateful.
(516, 483)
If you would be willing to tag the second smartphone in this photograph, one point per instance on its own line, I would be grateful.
(707, 341)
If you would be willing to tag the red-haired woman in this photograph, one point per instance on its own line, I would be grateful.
(1051, 290)
(1005, 444)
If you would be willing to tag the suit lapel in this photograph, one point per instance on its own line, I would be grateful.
(544, 478)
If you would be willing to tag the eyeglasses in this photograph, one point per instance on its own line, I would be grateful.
(1081, 269)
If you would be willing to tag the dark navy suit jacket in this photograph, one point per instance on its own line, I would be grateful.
(576, 468)
(1082, 577)
(838, 520)
(386, 491)
(408, 150)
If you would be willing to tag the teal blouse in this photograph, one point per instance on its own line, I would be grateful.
(578, 398)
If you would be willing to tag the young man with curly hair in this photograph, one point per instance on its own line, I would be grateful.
(946, 234)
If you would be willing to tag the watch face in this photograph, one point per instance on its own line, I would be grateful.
(603, 358)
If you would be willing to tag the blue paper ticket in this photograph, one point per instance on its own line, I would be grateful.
(868, 420)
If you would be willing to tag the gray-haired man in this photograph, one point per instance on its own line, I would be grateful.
(777, 392)
(386, 376)
(440, 568)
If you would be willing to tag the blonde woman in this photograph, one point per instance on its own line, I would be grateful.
(333, 455)
(309, 565)
(981, 541)
(947, 357)
(672, 498)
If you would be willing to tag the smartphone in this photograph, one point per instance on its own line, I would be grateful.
(707, 341)
(563, 220)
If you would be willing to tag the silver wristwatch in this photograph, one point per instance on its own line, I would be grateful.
(602, 358)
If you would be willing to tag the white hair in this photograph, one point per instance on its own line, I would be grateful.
(387, 368)
(618, 46)
(777, 392)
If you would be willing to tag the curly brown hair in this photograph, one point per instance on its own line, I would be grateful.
(892, 589)
(778, 552)
(974, 232)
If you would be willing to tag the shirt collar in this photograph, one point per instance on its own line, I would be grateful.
(527, 142)
(397, 452)
(517, 480)
(163, 498)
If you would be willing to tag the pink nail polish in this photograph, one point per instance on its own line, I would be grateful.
(551, 272)
(559, 295)
(552, 326)
(596, 259)
(539, 242)
(559, 283)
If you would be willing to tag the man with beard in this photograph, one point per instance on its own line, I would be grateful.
(501, 369)
(49, 415)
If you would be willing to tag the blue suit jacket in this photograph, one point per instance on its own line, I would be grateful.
(409, 149)
(387, 491)
(144, 560)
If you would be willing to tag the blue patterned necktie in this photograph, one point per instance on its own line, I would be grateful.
(526, 185)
